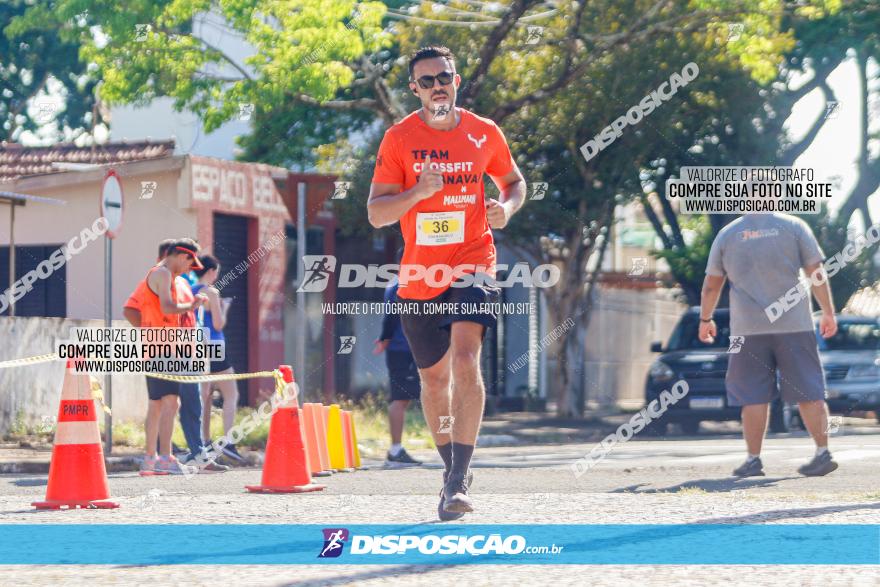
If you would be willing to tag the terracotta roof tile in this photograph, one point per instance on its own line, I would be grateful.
(20, 161)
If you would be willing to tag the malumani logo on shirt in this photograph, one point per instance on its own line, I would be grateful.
(456, 200)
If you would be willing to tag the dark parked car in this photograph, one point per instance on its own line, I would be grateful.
(703, 366)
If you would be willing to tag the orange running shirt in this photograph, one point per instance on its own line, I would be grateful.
(449, 228)
(146, 301)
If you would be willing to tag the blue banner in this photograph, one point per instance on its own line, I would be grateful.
(269, 544)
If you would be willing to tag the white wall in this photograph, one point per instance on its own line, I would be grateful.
(33, 392)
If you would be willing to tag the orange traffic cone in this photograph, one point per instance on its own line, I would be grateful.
(354, 442)
(347, 439)
(77, 476)
(286, 468)
(321, 414)
(313, 442)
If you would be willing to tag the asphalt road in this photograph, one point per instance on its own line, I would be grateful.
(640, 482)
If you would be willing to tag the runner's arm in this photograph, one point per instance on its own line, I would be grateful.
(513, 189)
(387, 203)
(712, 287)
(132, 315)
(822, 293)
(160, 281)
(218, 316)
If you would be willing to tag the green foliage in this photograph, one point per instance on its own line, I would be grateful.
(35, 60)
(688, 264)
(833, 237)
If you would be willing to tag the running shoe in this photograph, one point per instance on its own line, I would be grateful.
(148, 467)
(750, 468)
(820, 465)
(206, 464)
(171, 466)
(230, 452)
(445, 514)
(402, 459)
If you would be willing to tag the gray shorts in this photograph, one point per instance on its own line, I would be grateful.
(751, 373)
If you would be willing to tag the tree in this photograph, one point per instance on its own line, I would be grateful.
(37, 66)
(549, 96)
(821, 43)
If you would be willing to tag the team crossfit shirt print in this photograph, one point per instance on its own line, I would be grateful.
(449, 228)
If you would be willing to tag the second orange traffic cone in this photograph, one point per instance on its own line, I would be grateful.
(286, 467)
(77, 476)
(313, 444)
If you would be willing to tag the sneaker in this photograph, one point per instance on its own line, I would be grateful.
(148, 467)
(820, 465)
(402, 459)
(750, 468)
(209, 465)
(171, 466)
(456, 499)
(442, 513)
(178, 451)
(230, 452)
(214, 467)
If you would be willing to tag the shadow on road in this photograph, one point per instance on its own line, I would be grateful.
(725, 484)
(791, 514)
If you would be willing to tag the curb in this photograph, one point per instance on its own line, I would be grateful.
(113, 464)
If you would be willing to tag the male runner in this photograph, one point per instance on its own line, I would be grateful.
(762, 255)
(429, 176)
(155, 304)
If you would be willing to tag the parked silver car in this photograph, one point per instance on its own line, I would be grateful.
(851, 359)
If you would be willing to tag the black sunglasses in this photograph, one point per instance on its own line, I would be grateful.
(426, 82)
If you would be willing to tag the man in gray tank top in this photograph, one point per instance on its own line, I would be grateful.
(762, 256)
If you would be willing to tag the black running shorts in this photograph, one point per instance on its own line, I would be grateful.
(428, 330)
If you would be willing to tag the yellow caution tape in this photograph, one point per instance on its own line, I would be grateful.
(29, 360)
(280, 384)
(98, 393)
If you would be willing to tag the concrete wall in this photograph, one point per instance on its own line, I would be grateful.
(624, 324)
(32, 392)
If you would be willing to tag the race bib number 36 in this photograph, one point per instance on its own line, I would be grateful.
(439, 228)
